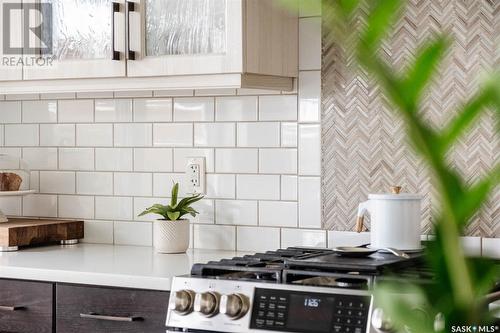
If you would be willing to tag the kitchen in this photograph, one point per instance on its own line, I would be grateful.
(278, 138)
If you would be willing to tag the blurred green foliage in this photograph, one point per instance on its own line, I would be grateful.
(457, 296)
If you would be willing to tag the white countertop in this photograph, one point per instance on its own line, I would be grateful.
(105, 265)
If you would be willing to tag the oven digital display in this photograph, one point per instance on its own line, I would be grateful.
(311, 313)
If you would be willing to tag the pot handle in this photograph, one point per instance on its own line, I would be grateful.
(360, 222)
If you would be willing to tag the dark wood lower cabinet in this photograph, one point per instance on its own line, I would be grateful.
(84, 309)
(26, 307)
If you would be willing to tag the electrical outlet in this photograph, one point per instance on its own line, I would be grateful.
(195, 175)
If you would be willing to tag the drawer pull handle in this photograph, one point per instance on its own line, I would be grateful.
(109, 318)
(11, 308)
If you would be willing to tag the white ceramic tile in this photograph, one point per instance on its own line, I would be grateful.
(94, 135)
(289, 186)
(10, 112)
(40, 205)
(58, 96)
(135, 184)
(11, 206)
(491, 247)
(113, 159)
(133, 233)
(35, 180)
(309, 202)
(76, 111)
(194, 109)
(236, 212)
(98, 94)
(11, 163)
(237, 108)
(2, 135)
(173, 135)
(153, 110)
(347, 238)
(279, 161)
(21, 135)
(182, 154)
(141, 204)
(310, 96)
(471, 246)
(214, 237)
(22, 97)
(310, 150)
(257, 239)
(57, 182)
(278, 214)
(220, 186)
(39, 111)
(215, 92)
(309, 8)
(80, 159)
(113, 110)
(236, 160)
(76, 207)
(40, 158)
(278, 107)
(255, 92)
(173, 93)
(98, 232)
(258, 134)
(114, 208)
(153, 159)
(310, 43)
(303, 237)
(263, 187)
(94, 183)
(214, 135)
(133, 94)
(57, 135)
(206, 210)
(289, 134)
(133, 135)
(163, 182)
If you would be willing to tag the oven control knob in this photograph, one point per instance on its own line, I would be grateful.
(380, 321)
(183, 302)
(234, 306)
(206, 303)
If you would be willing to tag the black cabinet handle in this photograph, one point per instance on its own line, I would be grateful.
(130, 9)
(109, 318)
(11, 308)
(115, 8)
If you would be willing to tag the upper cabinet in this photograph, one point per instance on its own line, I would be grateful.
(11, 40)
(162, 44)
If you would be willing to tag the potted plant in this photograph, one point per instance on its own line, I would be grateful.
(171, 233)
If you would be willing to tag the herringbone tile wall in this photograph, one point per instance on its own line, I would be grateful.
(364, 143)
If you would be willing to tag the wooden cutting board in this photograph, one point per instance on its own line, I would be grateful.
(25, 232)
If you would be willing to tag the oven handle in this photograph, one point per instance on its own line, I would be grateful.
(109, 318)
(11, 308)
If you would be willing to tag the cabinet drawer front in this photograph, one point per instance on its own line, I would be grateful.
(25, 307)
(83, 309)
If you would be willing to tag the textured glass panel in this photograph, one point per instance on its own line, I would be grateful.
(81, 29)
(185, 27)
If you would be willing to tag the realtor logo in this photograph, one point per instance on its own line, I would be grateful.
(36, 30)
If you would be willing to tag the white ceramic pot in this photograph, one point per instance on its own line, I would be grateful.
(395, 220)
(171, 236)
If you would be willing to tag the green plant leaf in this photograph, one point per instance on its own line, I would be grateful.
(173, 216)
(189, 200)
(175, 192)
(381, 16)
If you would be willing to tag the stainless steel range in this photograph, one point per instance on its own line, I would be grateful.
(292, 290)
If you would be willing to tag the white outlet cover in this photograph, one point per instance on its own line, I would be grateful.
(196, 175)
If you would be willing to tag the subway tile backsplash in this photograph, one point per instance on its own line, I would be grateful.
(104, 157)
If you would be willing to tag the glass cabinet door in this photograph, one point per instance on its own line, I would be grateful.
(176, 37)
(87, 39)
(11, 40)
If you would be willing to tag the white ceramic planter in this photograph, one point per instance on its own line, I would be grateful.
(171, 236)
